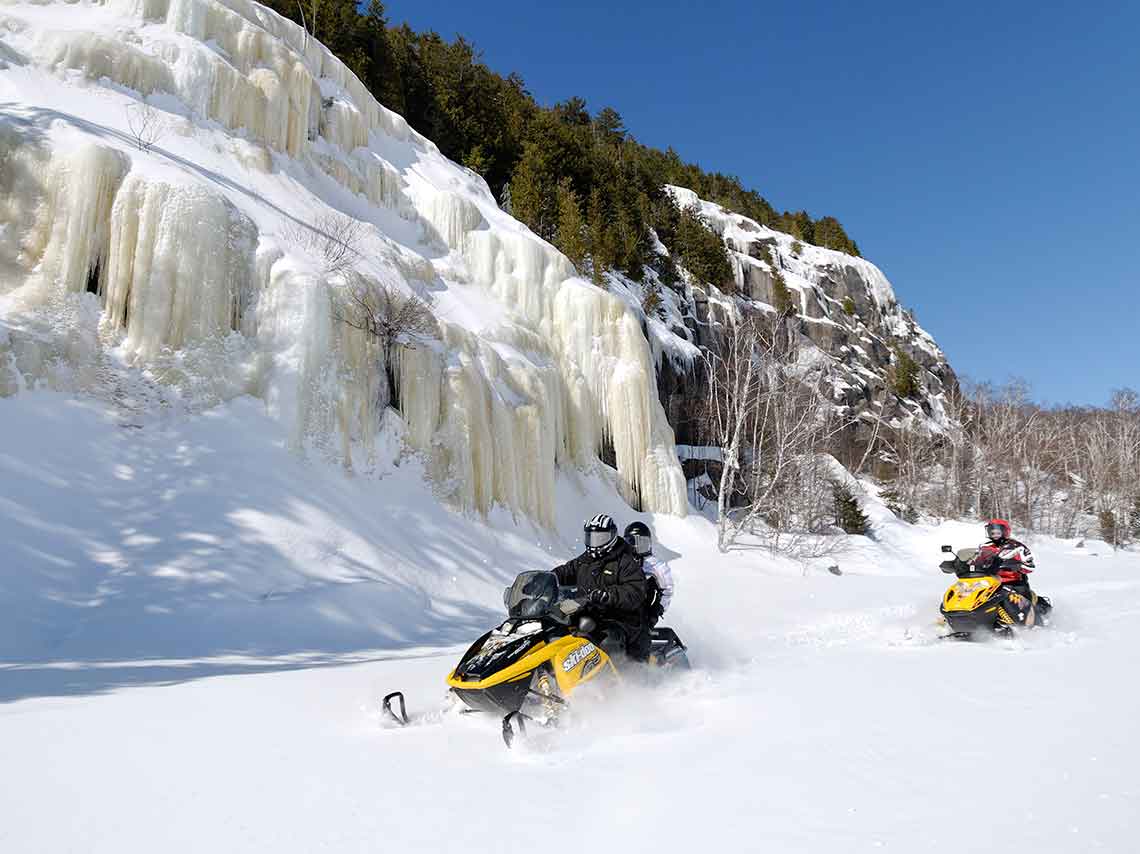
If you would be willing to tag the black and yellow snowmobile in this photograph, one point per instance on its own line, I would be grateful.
(549, 647)
(980, 603)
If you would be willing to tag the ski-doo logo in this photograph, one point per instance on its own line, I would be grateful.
(592, 662)
(575, 658)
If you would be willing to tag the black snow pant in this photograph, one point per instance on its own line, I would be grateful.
(1044, 606)
(623, 638)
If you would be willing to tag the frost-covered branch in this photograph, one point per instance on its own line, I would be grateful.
(389, 317)
(146, 125)
(333, 238)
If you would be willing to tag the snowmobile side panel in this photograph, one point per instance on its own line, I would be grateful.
(576, 660)
(570, 658)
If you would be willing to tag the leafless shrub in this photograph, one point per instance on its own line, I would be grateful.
(331, 237)
(146, 125)
(390, 317)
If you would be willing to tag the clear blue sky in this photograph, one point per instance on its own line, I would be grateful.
(985, 155)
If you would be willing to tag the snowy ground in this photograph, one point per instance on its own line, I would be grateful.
(196, 625)
(195, 630)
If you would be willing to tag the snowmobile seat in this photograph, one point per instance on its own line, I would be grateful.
(653, 607)
(666, 648)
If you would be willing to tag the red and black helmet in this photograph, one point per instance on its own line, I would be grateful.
(998, 530)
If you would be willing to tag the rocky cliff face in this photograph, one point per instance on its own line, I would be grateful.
(844, 308)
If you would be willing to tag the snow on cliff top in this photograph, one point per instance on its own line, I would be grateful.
(741, 231)
(810, 265)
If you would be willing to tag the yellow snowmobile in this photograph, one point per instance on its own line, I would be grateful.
(980, 602)
(549, 646)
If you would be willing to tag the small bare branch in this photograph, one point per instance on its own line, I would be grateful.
(332, 238)
(146, 124)
(388, 316)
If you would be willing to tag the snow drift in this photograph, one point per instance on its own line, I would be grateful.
(170, 250)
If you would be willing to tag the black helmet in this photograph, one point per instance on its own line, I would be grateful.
(600, 534)
(640, 538)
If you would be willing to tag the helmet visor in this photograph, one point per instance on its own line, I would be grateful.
(642, 543)
(599, 539)
(995, 532)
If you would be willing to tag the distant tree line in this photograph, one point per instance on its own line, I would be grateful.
(1068, 471)
(581, 181)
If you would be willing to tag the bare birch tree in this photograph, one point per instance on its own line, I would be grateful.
(769, 415)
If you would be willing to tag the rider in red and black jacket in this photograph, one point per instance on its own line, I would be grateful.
(1015, 560)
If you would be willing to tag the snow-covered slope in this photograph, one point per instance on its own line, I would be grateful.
(199, 607)
(201, 626)
(166, 168)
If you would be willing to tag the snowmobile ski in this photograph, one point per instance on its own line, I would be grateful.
(402, 717)
(514, 725)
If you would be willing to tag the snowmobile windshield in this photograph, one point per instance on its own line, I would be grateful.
(533, 594)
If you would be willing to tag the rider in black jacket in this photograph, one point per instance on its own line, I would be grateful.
(609, 575)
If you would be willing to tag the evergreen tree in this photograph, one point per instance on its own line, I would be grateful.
(572, 112)
(848, 515)
(608, 126)
(1108, 527)
(701, 250)
(667, 273)
(476, 160)
(651, 300)
(798, 224)
(849, 306)
(829, 233)
(570, 237)
(599, 244)
(905, 374)
(786, 304)
(633, 246)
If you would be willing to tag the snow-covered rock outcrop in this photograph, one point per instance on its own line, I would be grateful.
(157, 159)
(845, 307)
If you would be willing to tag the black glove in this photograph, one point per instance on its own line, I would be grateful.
(601, 597)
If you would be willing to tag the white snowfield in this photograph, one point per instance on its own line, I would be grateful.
(189, 249)
(196, 629)
(215, 562)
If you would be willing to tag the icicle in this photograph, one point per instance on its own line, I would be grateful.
(63, 203)
(566, 373)
(97, 56)
(180, 259)
(452, 217)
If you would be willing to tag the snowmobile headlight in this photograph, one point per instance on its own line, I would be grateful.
(966, 588)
